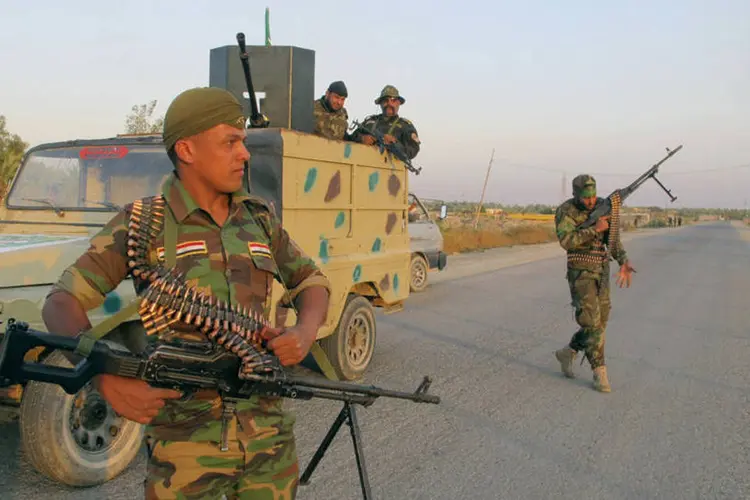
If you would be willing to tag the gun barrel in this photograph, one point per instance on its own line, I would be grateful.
(244, 59)
(368, 390)
(651, 172)
(241, 42)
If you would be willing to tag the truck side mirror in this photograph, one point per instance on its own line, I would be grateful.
(443, 211)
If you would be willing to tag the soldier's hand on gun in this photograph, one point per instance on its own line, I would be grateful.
(602, 224)
(134, 399)
(290, 345)
(368, 139)
(625, 275)
(389, 139)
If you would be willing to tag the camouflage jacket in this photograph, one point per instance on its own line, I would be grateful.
(586, 249)
(399, 127)
(328, 123)
(234, 263)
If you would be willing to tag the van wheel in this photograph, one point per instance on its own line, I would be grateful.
(352, 345)
(418, 273)
(76, 439)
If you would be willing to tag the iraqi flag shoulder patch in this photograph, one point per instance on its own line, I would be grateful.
(261, 249)
(187, 248)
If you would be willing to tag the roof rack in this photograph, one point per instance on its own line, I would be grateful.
(147, 134)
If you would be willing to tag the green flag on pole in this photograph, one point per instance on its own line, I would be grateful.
(268, 28)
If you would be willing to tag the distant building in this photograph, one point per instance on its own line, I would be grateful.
(635, 219)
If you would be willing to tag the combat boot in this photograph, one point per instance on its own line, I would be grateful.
(601, 382)
(566, 356)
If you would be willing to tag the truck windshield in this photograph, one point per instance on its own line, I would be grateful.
(89, 178)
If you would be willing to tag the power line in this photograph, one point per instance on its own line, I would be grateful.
(623, 174)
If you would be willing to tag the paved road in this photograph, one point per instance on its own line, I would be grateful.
(510, 426)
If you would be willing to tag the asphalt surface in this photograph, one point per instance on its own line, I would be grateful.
(510, 425)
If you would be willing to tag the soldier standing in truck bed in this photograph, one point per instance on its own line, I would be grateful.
(331, 118)
(394, 128)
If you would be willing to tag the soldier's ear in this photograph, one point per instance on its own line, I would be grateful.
(185, 151)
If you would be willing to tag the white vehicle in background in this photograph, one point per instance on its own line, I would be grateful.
(426, 243)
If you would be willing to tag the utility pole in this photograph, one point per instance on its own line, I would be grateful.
(564, 186)
(486, 178)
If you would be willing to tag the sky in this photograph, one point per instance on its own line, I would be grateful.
(555, 88)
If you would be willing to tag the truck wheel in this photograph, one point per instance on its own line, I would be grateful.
(76, 439)
(351, 346)
(418, 273)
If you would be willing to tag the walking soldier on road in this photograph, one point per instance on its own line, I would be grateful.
(588, 256)
(231, 246)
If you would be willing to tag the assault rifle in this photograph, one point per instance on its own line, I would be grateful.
(257, 119)
(191, 366)
(395, 148)
(604, 206)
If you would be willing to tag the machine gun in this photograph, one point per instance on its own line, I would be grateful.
(604, 206)
(395, 148)
(257, 119)
(191, 366)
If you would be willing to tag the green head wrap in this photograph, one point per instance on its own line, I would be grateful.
(584, 186)
(199, 109)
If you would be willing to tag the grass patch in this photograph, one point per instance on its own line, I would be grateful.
(459, 239)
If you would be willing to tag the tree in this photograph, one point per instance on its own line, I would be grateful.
(139, 120)
(12, 148)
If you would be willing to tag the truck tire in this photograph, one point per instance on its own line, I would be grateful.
(77, 440)
(352, 344)
(418, 273)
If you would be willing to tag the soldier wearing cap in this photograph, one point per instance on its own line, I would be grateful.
(588, 278)
(331, 118)
(223, 249)
(394, 128)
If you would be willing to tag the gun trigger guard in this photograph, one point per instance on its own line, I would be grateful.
(187, 395)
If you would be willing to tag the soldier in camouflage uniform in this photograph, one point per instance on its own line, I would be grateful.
(394, 128)
(331, 118)
(222, 249)
(588, 278)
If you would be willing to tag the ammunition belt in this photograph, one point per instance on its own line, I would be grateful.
(592, 257)
(598, 255)
(169, 299)
(614, 223)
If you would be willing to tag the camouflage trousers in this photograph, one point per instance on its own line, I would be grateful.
(186, 461)
(589, 292)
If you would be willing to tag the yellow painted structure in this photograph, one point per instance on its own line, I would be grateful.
(346, 205)
(531, 217)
